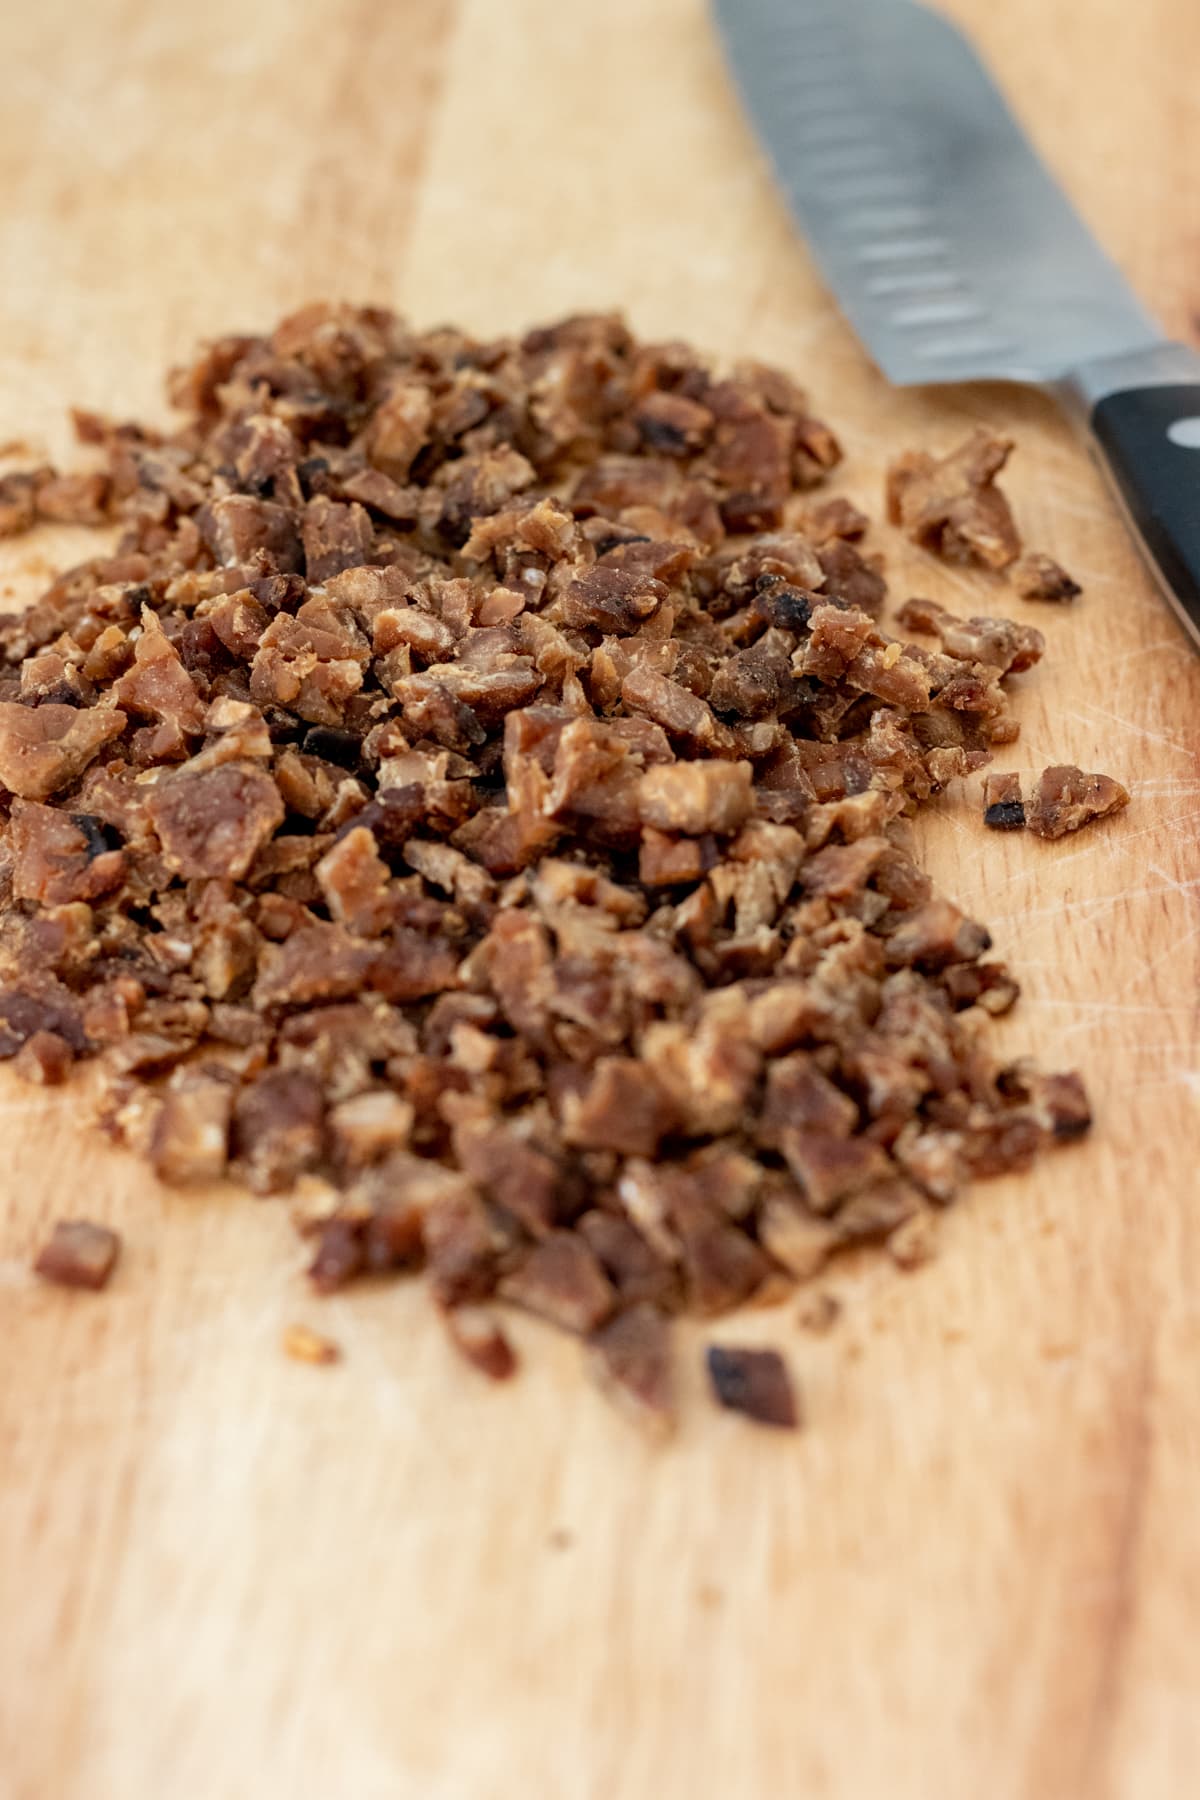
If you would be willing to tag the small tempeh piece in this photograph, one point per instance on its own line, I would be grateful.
(479, 1336)
(952, 505)
(1066, 799)
(631, 1358)
(1037, 576)
(78, 1254)
(302, 1344)
(1003, 807)
(755, 1383)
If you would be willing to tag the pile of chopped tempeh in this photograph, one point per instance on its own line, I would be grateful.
(474, 780)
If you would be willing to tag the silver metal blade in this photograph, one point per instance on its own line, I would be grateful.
(952, 251)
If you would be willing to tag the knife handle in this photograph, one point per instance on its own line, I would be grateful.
(1144, 414)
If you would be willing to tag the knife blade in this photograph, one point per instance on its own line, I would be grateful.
(952, 250)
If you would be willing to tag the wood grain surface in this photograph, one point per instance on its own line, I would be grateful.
(224, 1576)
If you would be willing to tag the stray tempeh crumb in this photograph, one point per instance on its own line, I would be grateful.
(1063, 1103)
(1003, 807)
(835, 518)
(951, 504)
(304, 1345)
(818, 1312)
(1059, 1101)
(914, 1242)
(44, 1060)
(78, 1254)
(998, 643)
(631, 1359)
(1066, 799)
(1037, 576)
(478, 1335)
(753, 1382)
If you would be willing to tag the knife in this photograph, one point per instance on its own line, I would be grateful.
(955, 255)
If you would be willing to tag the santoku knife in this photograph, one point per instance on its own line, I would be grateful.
(952, 251)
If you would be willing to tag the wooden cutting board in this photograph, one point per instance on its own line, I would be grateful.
(224, 1576)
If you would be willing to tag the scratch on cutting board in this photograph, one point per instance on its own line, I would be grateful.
(1057, 497)
(1089, 908)
(1173, 881)
(1090, 712)
(1188, 1079)
(1160, 647)
(1097, 1007)
(1171, 953)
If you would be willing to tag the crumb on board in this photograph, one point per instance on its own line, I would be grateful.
(755, 1383)
(952, 505)
(1003, 807)
(78, 1254)
(818, 1312)
(1037, 576)
(997, 643)
(481, 1339)
(302, 1344)
(44, 1059)
(1066, 799)
(914, 1243)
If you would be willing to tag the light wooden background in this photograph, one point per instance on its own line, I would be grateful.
(226, 1577)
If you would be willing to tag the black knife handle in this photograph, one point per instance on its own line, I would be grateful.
(1150, 440)
(1144, 412)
